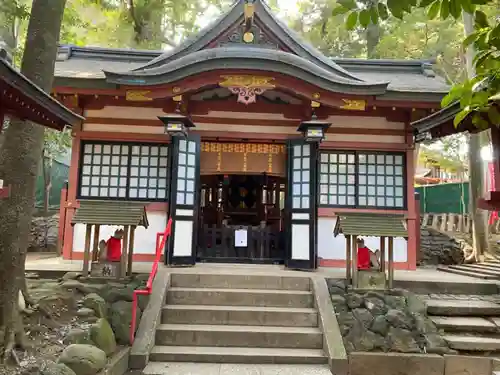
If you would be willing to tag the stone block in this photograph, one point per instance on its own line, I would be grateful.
(465, 365)
(395, 364)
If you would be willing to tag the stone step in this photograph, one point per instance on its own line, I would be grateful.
(240, 315)
(478, 270)
(464, 324)
(239, 297)
(485, 266)
(193, 368)
(235, 355)
(465, 273)
(239, 336)
(473, 343)
(231, 281)
(462, 308)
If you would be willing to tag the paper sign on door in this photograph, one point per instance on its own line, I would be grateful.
(240, 238)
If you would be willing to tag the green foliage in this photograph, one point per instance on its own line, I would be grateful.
(476, 101)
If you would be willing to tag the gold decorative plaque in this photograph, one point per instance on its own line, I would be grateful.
(138, 96)
(247, 82)
(353, 105)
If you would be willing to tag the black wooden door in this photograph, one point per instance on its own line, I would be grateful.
(301, 205)
(184, 198)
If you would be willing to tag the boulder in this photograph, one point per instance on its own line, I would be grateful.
(363, 340)
(113, 295)
(354, 300)
(103, 337)
(75, 285)
(375, 305)
(399, 319)
(56, 369)
(97, 303)
(142, 301)
(396, 302)
(363, 316)
(415, 304)
(83, 359)
(402, 340)
(346, 321)
(380, 325)
(121, 318)
(77, 336)
(85, 312)
(70, 276)
(336, 287)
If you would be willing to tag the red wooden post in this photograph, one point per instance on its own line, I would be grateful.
(417, 214)
(62, 218)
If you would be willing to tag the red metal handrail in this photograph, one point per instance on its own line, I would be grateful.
(160, 244)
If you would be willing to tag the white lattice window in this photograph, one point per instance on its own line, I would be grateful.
(362, 179)
(124, 171)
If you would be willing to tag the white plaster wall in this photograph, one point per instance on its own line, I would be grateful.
(145, 239)
(333, 248)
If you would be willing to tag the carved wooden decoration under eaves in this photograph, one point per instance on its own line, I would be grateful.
(247, 87)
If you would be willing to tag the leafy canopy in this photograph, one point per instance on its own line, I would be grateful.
(478, 96)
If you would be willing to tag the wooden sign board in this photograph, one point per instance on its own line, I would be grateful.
(368, 280)
(105, 270)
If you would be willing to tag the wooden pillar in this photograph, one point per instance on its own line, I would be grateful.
(382, 254)
(86, 253)
(131, 250)
(391, 263)
(354, 251)
(95, 246)
(123, 260)
(348, 255)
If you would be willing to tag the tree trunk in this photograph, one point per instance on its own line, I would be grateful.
(372, 40)
(20, 156)
(476, 169)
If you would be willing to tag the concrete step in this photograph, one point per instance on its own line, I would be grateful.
(473, 343)
(464, 324)
(466, 273)
(236, 355)
(239, 336)
(240, 315)
(462, 308)
(479, 270)
(239, 297)
(231, 281)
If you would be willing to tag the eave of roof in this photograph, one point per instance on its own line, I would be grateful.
(250, 58)
(60, 115)
(82, 67)
(436, 119)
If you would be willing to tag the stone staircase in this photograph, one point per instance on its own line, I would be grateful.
(238, 319)
(489, 270)
(471, 325)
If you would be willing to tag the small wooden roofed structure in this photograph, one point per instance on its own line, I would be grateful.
(440, 124)
(21, 98)
(94, 213)
(354, 225)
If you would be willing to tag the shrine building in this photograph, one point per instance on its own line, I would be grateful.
(279, 140)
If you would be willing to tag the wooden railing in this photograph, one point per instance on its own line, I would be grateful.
(161, 239)
(444, 222)
(218, 242)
